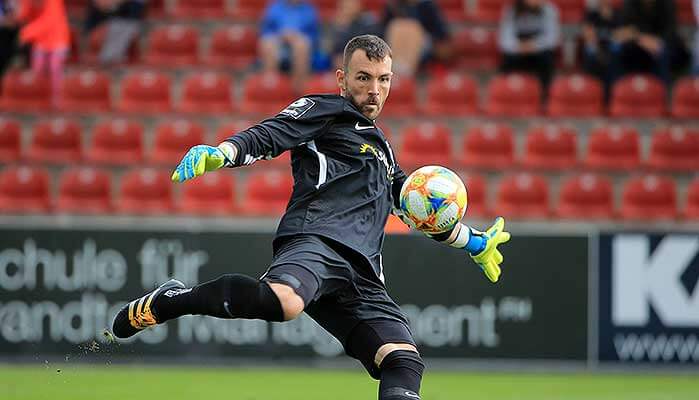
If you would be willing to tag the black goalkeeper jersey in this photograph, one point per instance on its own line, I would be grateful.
(346, 178)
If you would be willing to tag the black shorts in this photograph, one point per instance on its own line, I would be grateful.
(342, 294)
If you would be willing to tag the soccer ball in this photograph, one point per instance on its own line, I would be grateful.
(433, 199)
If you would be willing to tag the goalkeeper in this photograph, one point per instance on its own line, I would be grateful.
(327, 251)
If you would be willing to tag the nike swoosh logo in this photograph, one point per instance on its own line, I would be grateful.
(361, 128)
(411, 394)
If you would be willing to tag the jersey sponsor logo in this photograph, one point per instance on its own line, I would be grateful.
(298, 108)
(380, 155)
(361, 128)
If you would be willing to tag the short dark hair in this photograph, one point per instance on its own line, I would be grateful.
(375, 48)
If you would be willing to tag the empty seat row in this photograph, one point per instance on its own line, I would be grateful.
(86, 190)
(450, 95)
(484, 146)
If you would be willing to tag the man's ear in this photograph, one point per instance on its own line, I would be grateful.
(340, 75)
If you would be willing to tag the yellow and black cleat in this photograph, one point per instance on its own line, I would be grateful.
(138, 314)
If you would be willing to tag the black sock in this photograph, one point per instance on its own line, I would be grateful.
(401, 373)
(229, 296)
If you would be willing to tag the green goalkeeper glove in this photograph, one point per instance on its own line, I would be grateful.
(199, 159)
(489, 258)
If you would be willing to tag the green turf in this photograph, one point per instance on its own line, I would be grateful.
(131, 383)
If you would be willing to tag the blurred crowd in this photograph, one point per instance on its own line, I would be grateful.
(637, 36)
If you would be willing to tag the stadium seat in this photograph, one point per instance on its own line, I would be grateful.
(570, 11)
(586, 196)
(173, 139)
(523, 195)
(513, 95)
(155, 9)
(551, 147)
(207, 93)
(486, 11)
(649, 197)
(374, 6)
(267, 193)
(146, 93)
(249, 10)
(638, 96)
(233, 46)
(488, 145)
(576, 95)
(96, 39)
(322, 83)
(86, 92)
(265, 94)
(691, 209)
(685, 13)
(116, 142)
(24, 190)
(10, 140)
(425, 144)
(476, 48)
(326, 9)
(613, 147)
(228, 129)
(23, 91)
(403, 97)
(173, 46)
(685, 98)
(84, 191)
(56, 141)
(675, 149)
(453, 10)
(451, 95)
(76, 8)
(198, 9)
(209, 194)
(145, 192)
(476, 192)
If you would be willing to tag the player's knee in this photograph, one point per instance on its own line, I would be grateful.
(292, 303)
(389, 348)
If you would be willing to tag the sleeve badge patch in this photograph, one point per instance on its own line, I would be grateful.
(298, 108)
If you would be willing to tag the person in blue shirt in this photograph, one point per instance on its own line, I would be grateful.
(290, 39)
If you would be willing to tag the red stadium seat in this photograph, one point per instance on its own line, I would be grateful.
(476, 48)
(685, 14)
(173, 139)
(613, 147)
(189, 9)
(514, 95)
(267, 193)
(453, 10)
(551, 147)
(323, 84)
(266, 94)
(96, 40)
(486, 10)
(476, 192)
(84, 191)
(326, 9)
(570, 11)
(117, 142)
(691, 209)
(209, 194)
(173, 46)
(374, 6)
(576, 96)
(56, 141)
(249, 10)
(146, 192)
(586, 196)
(207, 93)
(675, 149)
(488, 146)
(649, 197)
(145, 92)
(451, 95)
(233, 46)
(23, 91)
(685, 98)
(10, 140)
(403, 99)
(86, 92)
(76, 8)
(425, 144)
(24, 190)
(228, 129)
(638, 96)
(523, 196)
(155, 9)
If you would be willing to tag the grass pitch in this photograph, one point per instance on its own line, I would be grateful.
(76, 382)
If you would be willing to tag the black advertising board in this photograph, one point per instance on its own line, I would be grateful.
(59, 290)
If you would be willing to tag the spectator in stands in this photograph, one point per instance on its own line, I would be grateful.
(417, 33)
(46, 29)
(8, 35)
(350, 21)
(290, 40)
(123, 20)
(601, 22)
(648, 37)
(529, 34)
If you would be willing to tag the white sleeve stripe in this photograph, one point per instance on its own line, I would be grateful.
(322, 163)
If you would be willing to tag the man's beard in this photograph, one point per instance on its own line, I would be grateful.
(359, 106)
